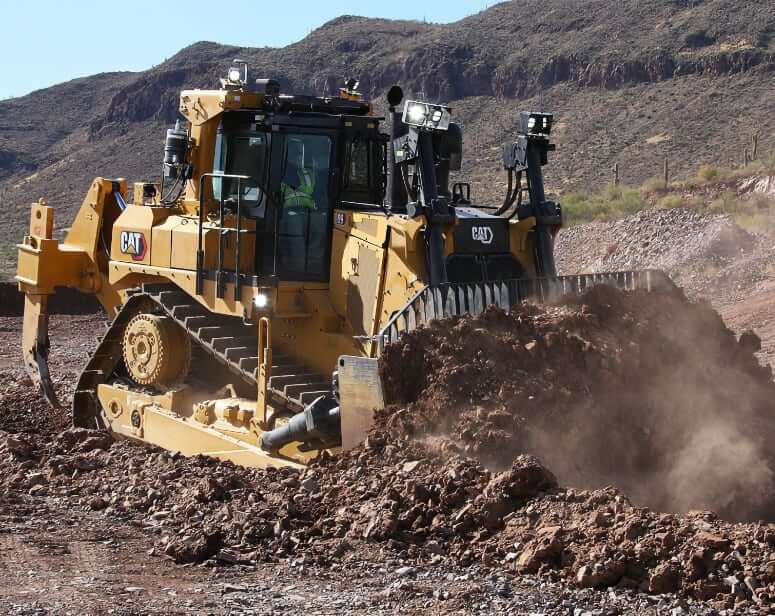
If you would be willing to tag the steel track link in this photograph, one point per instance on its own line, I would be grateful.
(228, 340)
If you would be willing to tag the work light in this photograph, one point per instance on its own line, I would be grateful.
(426, 115)
(532, 123)
(261, 301)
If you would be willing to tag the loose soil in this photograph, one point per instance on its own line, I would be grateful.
(450, 504)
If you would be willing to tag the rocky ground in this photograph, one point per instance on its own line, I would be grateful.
(424, 517)
(64, 551)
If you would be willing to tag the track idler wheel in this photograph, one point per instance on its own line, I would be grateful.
(156, 350)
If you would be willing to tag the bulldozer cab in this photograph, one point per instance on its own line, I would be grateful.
(288, 172)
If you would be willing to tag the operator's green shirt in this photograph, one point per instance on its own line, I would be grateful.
(300, 196)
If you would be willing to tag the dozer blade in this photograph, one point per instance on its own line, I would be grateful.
(452, 300)
(35, 345)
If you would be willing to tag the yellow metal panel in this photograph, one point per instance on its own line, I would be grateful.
(41, 220)
(45, 264)
(132, 233)
(161, 240)
(340, 271)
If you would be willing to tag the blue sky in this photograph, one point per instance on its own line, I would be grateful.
(44, 42)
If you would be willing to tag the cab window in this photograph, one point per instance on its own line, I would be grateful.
(305, 208)
(362, 180)
(240, 153)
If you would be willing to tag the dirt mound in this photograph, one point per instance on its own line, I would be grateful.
(394, 497)
(609, 388)
(644, 391)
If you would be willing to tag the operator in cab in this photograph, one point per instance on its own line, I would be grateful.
(298, 184)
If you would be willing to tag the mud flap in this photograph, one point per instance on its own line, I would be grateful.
(35, 345)
(360, 394)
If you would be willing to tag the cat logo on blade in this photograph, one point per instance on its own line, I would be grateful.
(133, 243)
(482, 234)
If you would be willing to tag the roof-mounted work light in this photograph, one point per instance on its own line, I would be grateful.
(238, 73)
(426, 115)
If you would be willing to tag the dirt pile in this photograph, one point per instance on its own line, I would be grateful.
(609, 388)
(644, 391)
(393, 497)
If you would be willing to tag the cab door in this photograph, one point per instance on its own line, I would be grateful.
(301, 216)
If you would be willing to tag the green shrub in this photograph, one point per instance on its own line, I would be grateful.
(612, 192)
(580, 207)
(611, 203)
(652, 185)
(670, 201)
(762, 203)
(726, 203)
(759, 223)
(708, 173)
(768, 164)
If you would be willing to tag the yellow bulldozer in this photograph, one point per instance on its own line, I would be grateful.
(252, 290)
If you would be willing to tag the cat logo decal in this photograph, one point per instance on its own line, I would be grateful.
(133, 243)
(482, 234)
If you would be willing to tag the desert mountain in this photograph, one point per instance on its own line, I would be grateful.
(630, 81)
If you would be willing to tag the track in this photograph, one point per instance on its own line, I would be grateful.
(227, 340)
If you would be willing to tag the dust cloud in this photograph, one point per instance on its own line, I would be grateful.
(647, 392)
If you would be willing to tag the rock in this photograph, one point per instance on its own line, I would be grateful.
(310, 484)
(83, 440)
(665, 578)
(340, 548)
(194, 549)
(231, 556)
(229, 588)
(97, 503)
(546, 548)
(18, 447)
(434, 547)
(405, 571)
(210, 489)
(630, 531)
(38, 490)
(34, 479)
(711, 541)
(408, 467)
(526, 478)
(493, 510)
(602, 574)
(708, 589)
(601, 518)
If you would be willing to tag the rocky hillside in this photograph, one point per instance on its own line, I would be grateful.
(629, 81)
